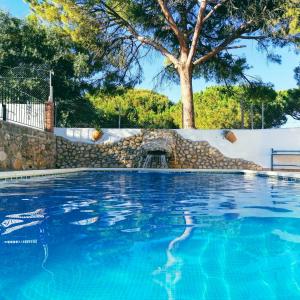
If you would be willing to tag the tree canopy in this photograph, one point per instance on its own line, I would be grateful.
(30, 50)
(85, 85)
(221, 107)
(291, 102)
(216, 107)
(133, 108)
(196, 37)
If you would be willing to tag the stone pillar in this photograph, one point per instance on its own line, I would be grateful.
(49, 116)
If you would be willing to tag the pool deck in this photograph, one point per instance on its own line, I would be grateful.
(12, 175)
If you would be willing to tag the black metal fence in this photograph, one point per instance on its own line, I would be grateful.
(285, 159)
(24, 89)
(19, 107)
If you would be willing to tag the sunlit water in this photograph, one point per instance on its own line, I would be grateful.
(150, 236)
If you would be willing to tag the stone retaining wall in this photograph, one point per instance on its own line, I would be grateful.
(23, 148)
(129, 152)
(123, 154)
(201, 155)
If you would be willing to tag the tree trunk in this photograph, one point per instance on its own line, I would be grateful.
(185, 74)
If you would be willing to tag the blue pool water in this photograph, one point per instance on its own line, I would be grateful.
(149, 236)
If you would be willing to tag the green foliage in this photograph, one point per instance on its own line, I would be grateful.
(213, 109)
(84, 29)
(293, 13)
(30, 45)
(217, 107)
(290, 100)
(137, 108)
(114, 28)
(196, 37)
(220, 107)
(297, 75)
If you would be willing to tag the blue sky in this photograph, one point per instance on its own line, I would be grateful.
(282, 76)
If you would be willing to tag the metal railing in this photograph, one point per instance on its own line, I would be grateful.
(19, 107)
(289, 156)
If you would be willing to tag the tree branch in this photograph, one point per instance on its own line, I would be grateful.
(261, 37)
(242, 29)
(142, 39)
(156, 46)
(169, 18)
(235, 47)
(197, 31)
(214, 9)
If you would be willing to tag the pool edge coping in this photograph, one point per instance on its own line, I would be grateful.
(13, 175)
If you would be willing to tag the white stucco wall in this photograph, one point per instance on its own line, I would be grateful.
(252, 145)
(84, 135)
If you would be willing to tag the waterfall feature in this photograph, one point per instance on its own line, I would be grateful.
(156, 150)
(155, 160)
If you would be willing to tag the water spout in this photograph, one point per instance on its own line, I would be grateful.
(155, 161)
(148, 161)
(163, 161)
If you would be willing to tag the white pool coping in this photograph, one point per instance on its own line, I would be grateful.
(11, 175)
(36, 173)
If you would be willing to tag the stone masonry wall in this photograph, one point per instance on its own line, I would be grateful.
(123, 154)
(201, 155)
(23, 148)
(130, 152)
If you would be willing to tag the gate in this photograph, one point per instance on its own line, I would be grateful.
(23, 95)
(18, 107)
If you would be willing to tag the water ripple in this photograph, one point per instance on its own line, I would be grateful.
(124, 236)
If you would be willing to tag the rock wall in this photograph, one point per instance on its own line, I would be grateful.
(123, 154)
(130, 152)
(201, 155)
(23, 148)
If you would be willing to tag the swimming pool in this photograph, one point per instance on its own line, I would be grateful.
(149, 236)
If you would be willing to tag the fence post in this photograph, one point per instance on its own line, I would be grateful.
(49, 116)
(4, 112)
(272, 159)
